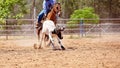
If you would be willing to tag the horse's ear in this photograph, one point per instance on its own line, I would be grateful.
(58, 3)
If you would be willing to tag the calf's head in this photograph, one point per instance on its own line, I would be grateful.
(58, 30)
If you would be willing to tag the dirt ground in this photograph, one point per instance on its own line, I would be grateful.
(87, 52)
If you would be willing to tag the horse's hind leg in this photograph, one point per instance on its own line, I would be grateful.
(40, 42)
(38, 29)
(38, 34)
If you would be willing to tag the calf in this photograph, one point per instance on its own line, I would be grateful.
(51, 30)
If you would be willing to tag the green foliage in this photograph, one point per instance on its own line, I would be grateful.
(85, 13)
(105, 8)
(12, 8)
(2, 21)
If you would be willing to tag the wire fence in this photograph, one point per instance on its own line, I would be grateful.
(26, 27)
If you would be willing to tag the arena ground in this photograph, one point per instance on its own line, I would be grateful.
(86, 52)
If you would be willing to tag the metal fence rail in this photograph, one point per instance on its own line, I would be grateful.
(16, 30)
(27, 27)
(95, 28)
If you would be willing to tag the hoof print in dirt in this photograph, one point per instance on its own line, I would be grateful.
(56, 49)
(39, 47)
(35, 46)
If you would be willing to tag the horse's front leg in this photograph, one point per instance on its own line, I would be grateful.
(38, 33)
(59, 41)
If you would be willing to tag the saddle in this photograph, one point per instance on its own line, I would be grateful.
(39, 25)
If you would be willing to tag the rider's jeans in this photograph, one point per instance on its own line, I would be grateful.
(41, 14)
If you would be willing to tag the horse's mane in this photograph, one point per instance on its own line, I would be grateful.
(52, 14)
(56, 4)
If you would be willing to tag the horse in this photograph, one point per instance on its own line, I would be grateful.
(56, 10)
(51, 30)
(51, 16)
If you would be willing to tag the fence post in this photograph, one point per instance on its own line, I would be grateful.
(6, 28)
(81, 27)
(34, 20)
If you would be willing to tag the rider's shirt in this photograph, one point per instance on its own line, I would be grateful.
(47, 5)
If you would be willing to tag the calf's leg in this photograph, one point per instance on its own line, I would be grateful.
(51, 40)
(62, 47)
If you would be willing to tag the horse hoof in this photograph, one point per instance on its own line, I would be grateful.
(35, 46)
(63, 48)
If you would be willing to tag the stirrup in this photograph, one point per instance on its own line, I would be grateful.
(38, 25)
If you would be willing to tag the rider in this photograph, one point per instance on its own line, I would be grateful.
(47, 5)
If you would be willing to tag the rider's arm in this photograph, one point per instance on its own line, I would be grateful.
(54, 1)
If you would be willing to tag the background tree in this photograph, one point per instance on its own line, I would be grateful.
(105, 8)
(12, 8)
(85, 13)
(68, 6)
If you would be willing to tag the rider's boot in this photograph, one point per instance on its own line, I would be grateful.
(38, 25)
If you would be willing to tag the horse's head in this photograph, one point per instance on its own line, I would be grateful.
(57, 9)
